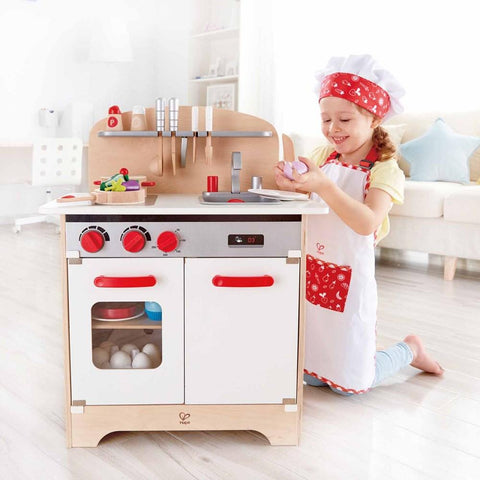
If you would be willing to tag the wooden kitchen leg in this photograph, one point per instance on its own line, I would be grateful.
(449, 268)
(87, 438)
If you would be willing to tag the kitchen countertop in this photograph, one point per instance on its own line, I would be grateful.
(187, 204)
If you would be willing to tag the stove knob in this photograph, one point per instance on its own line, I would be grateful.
(133, 241)
(92, 241)
(167, 241)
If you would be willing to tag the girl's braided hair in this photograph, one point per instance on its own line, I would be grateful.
(381, 140)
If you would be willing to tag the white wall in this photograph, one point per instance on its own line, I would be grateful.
(44, 63)
(44, 57)
(430, 46)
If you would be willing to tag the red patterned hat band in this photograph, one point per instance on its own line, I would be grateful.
(358, 90)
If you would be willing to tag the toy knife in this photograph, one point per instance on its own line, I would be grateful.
(194, 131)
(173, 119)
(160, 120)
(208, 128)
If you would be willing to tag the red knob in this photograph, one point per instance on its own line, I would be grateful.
(92, 241)
(133, 241)
(167, 241)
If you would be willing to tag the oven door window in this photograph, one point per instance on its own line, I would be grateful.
(127, 335)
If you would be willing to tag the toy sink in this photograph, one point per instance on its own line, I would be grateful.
(228, 197)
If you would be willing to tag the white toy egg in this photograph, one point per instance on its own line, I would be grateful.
(120, 359)
(154, 352)
(134, 353)
(128, 347)
(99, 356)
(141, 360)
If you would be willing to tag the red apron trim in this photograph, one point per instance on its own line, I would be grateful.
(365, 164)
(370, 159)
(334, 385)
(352, 167)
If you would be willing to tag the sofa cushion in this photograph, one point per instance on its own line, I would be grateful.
(463, 205)
(466, 122)
(440, 154)
(395, 133)
(425, 199)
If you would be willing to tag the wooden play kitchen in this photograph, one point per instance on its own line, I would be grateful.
(185, 312)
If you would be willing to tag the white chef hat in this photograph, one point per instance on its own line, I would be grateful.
(361, 80)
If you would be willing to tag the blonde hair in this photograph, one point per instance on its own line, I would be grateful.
(381, 141)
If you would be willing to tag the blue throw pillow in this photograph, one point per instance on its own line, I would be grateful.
(440, 154)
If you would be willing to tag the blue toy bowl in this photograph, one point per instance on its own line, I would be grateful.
(153, 311)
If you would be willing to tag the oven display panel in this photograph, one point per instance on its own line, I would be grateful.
(245, 240)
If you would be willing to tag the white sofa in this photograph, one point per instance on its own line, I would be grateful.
(441, 218)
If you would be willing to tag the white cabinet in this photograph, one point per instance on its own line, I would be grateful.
(106, 386)
(240, 342)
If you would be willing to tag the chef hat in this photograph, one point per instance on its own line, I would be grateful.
(359, 79)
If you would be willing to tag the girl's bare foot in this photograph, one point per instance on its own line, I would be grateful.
(421, 359)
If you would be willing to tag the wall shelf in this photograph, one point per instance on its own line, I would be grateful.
(225, 78)
(128, 133)
(214, 50)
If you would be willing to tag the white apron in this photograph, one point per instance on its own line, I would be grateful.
(341, 291)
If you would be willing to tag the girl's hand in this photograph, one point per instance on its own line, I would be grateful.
(312, 181)
(282, 181)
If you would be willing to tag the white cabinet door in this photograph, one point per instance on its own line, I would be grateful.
(96, 386)
(240, 342)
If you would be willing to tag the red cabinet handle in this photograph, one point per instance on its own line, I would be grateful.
(124, 282)
(262, 281)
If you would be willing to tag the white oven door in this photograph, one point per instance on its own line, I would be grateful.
(241, 330)
(107, 312)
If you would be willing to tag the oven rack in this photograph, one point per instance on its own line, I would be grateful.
(142, 322)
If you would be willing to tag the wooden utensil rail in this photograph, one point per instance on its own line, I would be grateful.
(149, 152)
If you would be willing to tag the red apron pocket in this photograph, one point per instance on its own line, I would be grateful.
(327, 284)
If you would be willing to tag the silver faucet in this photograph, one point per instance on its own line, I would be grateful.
(236, 167)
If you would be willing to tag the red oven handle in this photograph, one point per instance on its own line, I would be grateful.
(262, 281)
(124, 282)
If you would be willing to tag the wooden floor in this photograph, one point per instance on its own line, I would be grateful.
(414, 427)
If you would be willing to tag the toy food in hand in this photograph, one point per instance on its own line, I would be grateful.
(299, 167)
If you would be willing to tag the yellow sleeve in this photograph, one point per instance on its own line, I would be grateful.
(388, 176)
(320, 154)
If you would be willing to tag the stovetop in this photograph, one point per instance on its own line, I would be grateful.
(100, 236)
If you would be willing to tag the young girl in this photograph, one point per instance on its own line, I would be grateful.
(359, 179)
